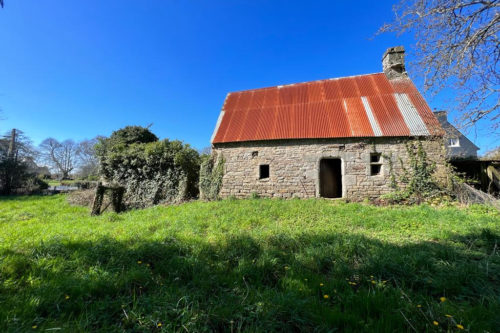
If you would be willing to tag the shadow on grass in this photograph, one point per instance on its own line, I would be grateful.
(281, 283)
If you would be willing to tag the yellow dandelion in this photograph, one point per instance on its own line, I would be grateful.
(321, 284)
(373, 282)
(460, 327)
(66, 297)
(148, 265)
(287, 268)
(305, 279)
(34, 327)
(449, 316)
(139, 262)
(326, 296)
(159, 325)
(371, 276)
(419, 306)
(442, 299)
(435, 323)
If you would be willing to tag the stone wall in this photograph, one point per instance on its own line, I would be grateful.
(294, 166)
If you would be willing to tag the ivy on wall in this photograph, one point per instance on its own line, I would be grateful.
(416, 177)
(211, 174)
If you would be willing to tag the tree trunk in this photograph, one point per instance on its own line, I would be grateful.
(12, 145)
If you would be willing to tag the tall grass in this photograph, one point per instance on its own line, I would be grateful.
(248, 265)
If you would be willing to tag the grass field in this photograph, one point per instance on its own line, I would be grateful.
(55, 182)
(248, 265)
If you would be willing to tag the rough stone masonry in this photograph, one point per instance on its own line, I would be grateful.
(294, 166)
(330, 138)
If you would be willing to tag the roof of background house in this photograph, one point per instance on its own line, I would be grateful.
(358, 106)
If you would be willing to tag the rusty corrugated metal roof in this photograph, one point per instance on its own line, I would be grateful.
(358, 106)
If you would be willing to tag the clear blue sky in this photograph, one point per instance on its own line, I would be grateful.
(77, 69)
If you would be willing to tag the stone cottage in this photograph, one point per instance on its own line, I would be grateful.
(331, 138)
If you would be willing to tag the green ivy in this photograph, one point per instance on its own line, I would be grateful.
(417, 176)
(211, 174)
(151, 171)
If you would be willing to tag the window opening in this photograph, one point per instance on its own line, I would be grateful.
(375, 164)
(264, 171)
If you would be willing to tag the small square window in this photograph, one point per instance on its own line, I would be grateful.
(454, 142)
(264, 171)
(375, 169)
(375, 164)
(255, 153)
(375, 157)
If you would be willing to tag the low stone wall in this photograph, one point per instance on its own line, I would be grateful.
(294, 165)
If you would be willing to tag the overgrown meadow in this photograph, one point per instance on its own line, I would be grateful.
(248, 265)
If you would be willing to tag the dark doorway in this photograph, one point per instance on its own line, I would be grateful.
(330, 178)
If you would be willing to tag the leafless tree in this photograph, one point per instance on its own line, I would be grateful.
(493, 154)
(87, 159)
(61, 156)
(1, 3)
(205, 151)
(457, 46)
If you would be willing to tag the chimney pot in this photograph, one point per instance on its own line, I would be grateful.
(393, 63)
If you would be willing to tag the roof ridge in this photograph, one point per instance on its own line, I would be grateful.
(304, 82)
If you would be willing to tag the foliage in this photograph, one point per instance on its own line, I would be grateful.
(18, 172)
(248, 265)
(211, 174)
(152, 172)
(132, 134)
(417, 178)
(13, 175)
(457, 45)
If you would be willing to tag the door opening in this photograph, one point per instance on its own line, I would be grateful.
(330, 178)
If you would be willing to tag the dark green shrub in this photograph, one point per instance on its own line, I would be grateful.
(133, 134)
(151, 171)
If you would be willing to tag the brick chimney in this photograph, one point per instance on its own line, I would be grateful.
(393, 63)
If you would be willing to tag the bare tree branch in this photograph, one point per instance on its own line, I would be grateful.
(458, 47)
(59, 155)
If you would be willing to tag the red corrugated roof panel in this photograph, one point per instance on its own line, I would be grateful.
(323, 109)
(358, 120)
